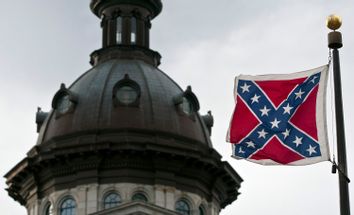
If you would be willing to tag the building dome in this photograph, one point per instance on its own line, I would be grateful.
(91, 109)
(126, 125)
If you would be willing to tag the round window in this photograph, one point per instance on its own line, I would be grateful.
(64, 104)
(126, 95)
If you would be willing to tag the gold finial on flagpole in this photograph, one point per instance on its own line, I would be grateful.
(334, 22)
(334, 37)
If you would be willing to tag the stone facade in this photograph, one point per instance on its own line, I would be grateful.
(90, 200)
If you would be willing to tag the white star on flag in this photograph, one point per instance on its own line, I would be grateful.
(297, 141)
(264, 111)
(262, 134)
(286, 133)
(299, 94)
(275, 123)
(250, 144)
(255, 98)
(245, 88)
(311, 149)
(287, 109)
(241, 151)
(314, 79)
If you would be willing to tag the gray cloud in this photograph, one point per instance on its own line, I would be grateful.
(205, 44)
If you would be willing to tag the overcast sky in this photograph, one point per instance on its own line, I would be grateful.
(205, 44)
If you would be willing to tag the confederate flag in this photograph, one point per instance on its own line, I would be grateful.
(280, 119)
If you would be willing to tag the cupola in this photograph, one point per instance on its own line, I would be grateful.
(126, 29)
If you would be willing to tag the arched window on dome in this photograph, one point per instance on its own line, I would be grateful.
(111, 200)
(133, 30)
(182, 207)
(119, 30)
(139, 197)
(68, 207)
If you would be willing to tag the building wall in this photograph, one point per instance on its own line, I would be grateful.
(89, 198)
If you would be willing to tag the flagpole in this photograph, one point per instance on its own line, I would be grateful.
(335, 42)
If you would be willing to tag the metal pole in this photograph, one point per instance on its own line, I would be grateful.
(341, 147)
(335, 42)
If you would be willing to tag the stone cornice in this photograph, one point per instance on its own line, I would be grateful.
(48, 170)
(130, 52)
